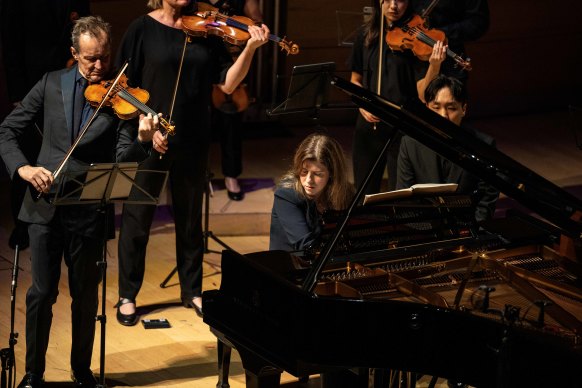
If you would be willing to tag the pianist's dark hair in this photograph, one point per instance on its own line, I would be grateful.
(325, 150)
(457, 88)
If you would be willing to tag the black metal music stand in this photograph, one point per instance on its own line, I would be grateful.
(7, 354)
(308, 90)
(104, 184)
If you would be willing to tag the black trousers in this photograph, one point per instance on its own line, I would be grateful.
(368, 142)
(228, 127)
(49, 244)
(186, 179)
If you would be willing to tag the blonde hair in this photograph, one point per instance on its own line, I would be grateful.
(155, 4)
(325, 150)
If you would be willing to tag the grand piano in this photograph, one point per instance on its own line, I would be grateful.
(492, 305)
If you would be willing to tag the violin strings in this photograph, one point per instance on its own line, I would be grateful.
(431, 42)
(135, 102)
(235, 23)
(124, 94)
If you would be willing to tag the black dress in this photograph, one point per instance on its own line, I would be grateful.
(154, 50)
(401, 70)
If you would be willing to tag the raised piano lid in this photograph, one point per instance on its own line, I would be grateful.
(541, 196)
(459, 146)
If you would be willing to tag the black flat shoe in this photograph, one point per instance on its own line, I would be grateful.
(84, 378)
(235, 196)
(126, 319)
(189, 304)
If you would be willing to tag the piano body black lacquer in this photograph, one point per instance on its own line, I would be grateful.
(495, 306)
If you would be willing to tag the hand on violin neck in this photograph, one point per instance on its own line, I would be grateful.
(259, 36)
(148, 125)
(439, 53)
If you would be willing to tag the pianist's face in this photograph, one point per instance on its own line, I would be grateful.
(445, 105)
(314, 177)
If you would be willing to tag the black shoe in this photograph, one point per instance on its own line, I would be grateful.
(236, 196)
(456, 384)
(84, 378)
(126, 319)
(189, 304)
(30, 380)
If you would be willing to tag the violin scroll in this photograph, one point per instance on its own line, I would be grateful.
(288, 46)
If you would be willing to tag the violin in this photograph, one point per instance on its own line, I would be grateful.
(416, 36)
(232, 29)
(126, 102)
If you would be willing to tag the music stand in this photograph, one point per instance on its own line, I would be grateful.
(104, 184)
(308, 90)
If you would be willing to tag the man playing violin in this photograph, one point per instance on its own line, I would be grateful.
(26, 56)
(155, 43)
(74, 232)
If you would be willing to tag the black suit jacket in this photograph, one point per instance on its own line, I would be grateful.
(108, 139)
(419, 164)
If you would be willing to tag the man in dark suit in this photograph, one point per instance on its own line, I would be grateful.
(75, 232)
(27, 55)
(417, 163)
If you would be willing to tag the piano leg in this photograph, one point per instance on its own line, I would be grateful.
(258, 372)
(224, 352)
(266, 379)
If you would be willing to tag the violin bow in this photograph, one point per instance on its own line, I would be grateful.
(186, 40)
(380, 52)
(428, 10)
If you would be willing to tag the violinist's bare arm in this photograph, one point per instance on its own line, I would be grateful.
(39, 177)
(357, 79)
(240, 68)
(437, 57)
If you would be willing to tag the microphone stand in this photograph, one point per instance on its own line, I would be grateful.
(7, 354)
